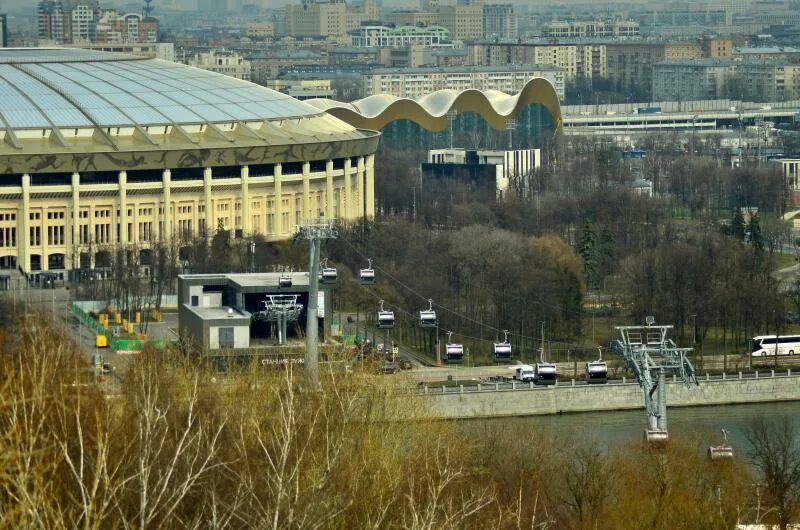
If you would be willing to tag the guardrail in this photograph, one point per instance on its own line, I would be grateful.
(511, 386)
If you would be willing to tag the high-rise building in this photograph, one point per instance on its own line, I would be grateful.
(50, 15)
(4, 30)
(499, 20)
(333, 18)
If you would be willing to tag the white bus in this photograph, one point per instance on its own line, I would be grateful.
(764, 345)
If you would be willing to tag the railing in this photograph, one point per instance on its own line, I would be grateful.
(90, 322)
(511, 386)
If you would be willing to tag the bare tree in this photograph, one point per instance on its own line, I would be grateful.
(776, 453)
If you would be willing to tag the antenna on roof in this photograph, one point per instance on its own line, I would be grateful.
(147, 10)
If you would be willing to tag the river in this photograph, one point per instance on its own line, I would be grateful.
(609, 429)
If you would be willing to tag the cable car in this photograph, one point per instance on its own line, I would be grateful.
(327, 275)
(656, 436)
(367, 276)
(502, 350)
(384, 319)
(453, 352)
(721, 452)
(597, 371)
(284, 282)
(545, 373)
(427, 317)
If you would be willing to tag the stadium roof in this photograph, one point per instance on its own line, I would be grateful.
(81, 110)
(71, 88)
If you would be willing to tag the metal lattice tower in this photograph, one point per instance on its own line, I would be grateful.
(315, 233)
(652, 357)
(280, 309)
(147, 10)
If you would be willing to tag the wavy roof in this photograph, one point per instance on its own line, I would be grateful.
(430, 111)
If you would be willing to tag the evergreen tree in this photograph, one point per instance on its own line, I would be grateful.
(737, 225)
(589, 253)
(607, 252)
(756, 237)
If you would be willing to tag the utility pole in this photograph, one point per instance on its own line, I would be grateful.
(315, 234)
(451, 117)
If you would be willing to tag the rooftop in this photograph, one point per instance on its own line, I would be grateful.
(457, 69)
(70, 88)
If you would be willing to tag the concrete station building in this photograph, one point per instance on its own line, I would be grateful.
(216, 311)
(102, 150)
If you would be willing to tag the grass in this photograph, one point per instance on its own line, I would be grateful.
(783, 261)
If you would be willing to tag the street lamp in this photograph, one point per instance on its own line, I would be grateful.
(252, 256)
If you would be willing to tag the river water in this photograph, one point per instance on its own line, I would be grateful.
(608, 429)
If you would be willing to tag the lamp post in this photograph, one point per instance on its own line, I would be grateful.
(252, 256)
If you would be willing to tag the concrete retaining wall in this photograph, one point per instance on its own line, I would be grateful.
(583, 398)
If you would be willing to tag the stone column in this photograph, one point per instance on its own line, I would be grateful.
(166, 235)
(24, 241)
(43, 225)
(370, 176)
(75, 242)
(348, 190)
(123, 207)
(208, 206)
(247, 220)
(306, 215)
(278, 200)
(360, 212)
(329, 189)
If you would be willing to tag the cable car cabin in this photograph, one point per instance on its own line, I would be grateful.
(656, 436)
(385, 320)
(545, 374)
(453, 353)
(596, 372)
(720, 452)
(284, 282)
(366, 276)
(328, 275)
(427, 318)
(502, 351)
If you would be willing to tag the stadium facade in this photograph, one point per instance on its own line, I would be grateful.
(100, 150)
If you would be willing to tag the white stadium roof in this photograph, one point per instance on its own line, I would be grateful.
(71, 88)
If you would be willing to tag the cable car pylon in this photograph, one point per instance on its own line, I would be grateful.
(651, 356)
(315, 233)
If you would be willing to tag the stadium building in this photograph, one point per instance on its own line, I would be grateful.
(100, 150)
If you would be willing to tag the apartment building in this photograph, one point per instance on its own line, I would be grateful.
(379, 36)
(576, 59)
(113, 28)
(695, 79)
(268, 65)
(767, 80)
(767, 53)
(620, 28)
(716, 47)
(463, 21)
(417, 82)
(334, 18)
(223, 62)
(500, 21)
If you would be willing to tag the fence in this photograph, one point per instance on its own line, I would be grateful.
(117, 345)
(90, 322)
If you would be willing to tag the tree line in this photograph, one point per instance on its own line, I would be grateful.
(166, 444)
